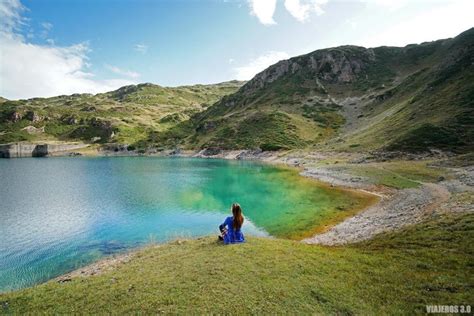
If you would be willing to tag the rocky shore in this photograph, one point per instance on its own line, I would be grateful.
(22, 150)
(395, 209)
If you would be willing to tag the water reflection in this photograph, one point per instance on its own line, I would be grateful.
(59, 213)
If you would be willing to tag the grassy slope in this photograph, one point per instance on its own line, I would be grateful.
(397, 174)
(131, 113)
(431, 108)
(397, 273)
(414, 98)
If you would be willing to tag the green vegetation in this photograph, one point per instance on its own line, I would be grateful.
(276, 131)
(414, 99)
(432, 108)
(324, 115)
(396, 273)
(426, 136)
(378, 175)
(399, 174)
(125, 116)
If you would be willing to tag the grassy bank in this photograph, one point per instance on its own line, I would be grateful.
(396, 273)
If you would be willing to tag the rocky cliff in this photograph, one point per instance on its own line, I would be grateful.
(21, 150)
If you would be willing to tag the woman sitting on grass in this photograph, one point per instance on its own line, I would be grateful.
(230, 229)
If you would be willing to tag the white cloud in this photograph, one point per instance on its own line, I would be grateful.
(10, 14)
(258, 64)
(123, 72)
(263, 10)
(30, 70)
(47, 26)
(446, 19)
(301, 9)
(391, 5)
(142, 48)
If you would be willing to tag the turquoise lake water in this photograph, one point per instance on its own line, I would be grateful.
(58, 214)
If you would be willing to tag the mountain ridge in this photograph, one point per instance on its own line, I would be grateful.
(347, 98)
(317, 85)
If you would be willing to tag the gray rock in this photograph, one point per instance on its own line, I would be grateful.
(15, 117)
(33, 117)
(211, 151)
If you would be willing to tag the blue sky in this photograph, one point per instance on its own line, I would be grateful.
(51, 47)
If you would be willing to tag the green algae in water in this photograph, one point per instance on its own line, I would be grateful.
(278, 199)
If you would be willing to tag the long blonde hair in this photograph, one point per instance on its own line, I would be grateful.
(238, 218)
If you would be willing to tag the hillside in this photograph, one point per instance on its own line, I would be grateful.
(396, 273)
(122, 116)
(412, 98)
(415, 98)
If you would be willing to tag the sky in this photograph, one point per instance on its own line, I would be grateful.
(55, 47)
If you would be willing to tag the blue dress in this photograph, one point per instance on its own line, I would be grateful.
(232, 236)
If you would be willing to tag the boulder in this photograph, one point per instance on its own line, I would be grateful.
(89, 109)
(15, 117)
(206, 127)
(33, 117)
(211, 151)
(33, 130)
(69, 119)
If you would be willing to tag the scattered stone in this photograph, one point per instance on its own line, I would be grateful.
(74, 154)
(175, 152)
(70, 120)
(89, 109)
(5, 305)
(33, 117)
(64, 279)
(15, 117)
(400, 208)
(206, 127)
(33, 130)
(211, 151)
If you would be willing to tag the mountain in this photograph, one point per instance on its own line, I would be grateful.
(124, 116)
(412, 98)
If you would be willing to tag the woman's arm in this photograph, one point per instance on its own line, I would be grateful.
(223, 225)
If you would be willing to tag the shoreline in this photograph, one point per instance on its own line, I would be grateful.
(404, 206)
(395, 208)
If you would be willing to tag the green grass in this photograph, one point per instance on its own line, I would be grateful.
(421, 171)
(426, 136)
(399, 174)
(269, 131)
(133, 112)
(396, 273)
(384, 177)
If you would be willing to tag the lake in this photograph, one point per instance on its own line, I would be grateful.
(58, 214)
